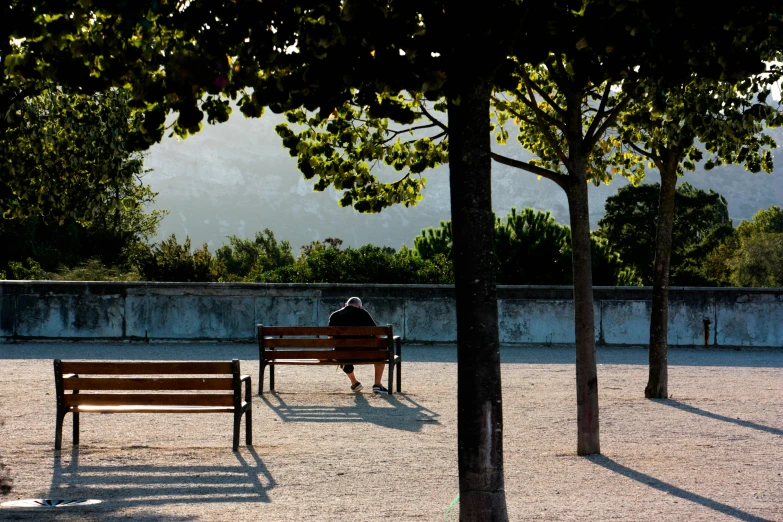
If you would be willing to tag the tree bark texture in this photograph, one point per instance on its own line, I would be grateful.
(480, 419)
(588, 439)
(657, 383)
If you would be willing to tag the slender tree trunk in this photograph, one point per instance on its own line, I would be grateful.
(657, 383)
(480, 419)
(588, 440)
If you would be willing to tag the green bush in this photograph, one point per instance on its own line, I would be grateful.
(531, 248)
(32, 271)
(170, 261)
(752, 255)
(94, 270)
(246, 259)
(370, 264)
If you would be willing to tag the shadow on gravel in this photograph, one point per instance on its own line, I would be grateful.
(739, 422)
(122, 486)
(405, 413)
(611, 465)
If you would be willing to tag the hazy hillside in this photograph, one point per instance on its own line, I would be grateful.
(235, 178)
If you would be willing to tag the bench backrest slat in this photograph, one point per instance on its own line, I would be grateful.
(292, 331)
(328, 355)
(372, 342)
(114, 383)
(147, 368)
(148, 399)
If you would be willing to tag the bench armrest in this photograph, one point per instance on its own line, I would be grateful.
(397, 346)
(246, 379)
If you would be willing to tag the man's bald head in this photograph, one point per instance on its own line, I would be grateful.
(354, 301)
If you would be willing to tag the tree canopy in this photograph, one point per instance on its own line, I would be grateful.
(701, 223)
(751, 255)
(70, 187)
(61, 155)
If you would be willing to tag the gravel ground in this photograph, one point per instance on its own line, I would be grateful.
(714, 451)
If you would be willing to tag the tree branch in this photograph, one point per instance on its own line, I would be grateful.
(523, 165)
(533, 106)
(529, 83)
(600, 113)
(555, 75)
(590, 141)
(520, 116)
(561, 74)
(395, 133)
(406, 176)
(548, 136)
(647, 154)
(431, 138)
(432, 118)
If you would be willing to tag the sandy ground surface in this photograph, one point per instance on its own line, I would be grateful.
(712, 452)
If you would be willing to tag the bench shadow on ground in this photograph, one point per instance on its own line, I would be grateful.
(616, 467)
(697, 411)
(144, 485)
(399, 411)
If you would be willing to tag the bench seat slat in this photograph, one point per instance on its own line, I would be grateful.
(328, 355)
(190, 383)
(153, 409)
(289, 331)
(147, 368)
(371, 342)
(148, 399)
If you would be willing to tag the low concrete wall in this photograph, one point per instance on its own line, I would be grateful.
(419, 313)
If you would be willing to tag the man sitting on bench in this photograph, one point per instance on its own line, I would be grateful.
(352, 314)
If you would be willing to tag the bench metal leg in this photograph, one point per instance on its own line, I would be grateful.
(249, 412)
(391, 377)
(237, 419)
(75, 429)
(58, 429)
(249, 427)
(399, 376)
(261, 379)
(271, 377)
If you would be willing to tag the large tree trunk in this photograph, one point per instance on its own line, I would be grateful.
(480, 419)
(657, 383)
(588, 440)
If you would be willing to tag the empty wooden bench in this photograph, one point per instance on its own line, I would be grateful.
(70, 376)
(327, 345)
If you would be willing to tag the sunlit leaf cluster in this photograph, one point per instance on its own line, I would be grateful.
(350, 148)
(726, 120)
(565, 119)
(61, 154)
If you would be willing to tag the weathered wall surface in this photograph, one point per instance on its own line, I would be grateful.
(419, 313)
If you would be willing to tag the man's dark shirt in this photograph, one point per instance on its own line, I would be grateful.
(351, 316)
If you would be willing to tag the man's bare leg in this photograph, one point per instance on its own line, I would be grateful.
(352, 377)
(379, 372)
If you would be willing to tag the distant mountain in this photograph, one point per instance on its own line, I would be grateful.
(235, 178)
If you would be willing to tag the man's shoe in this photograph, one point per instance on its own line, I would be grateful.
(378, 388)
(356, 387)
